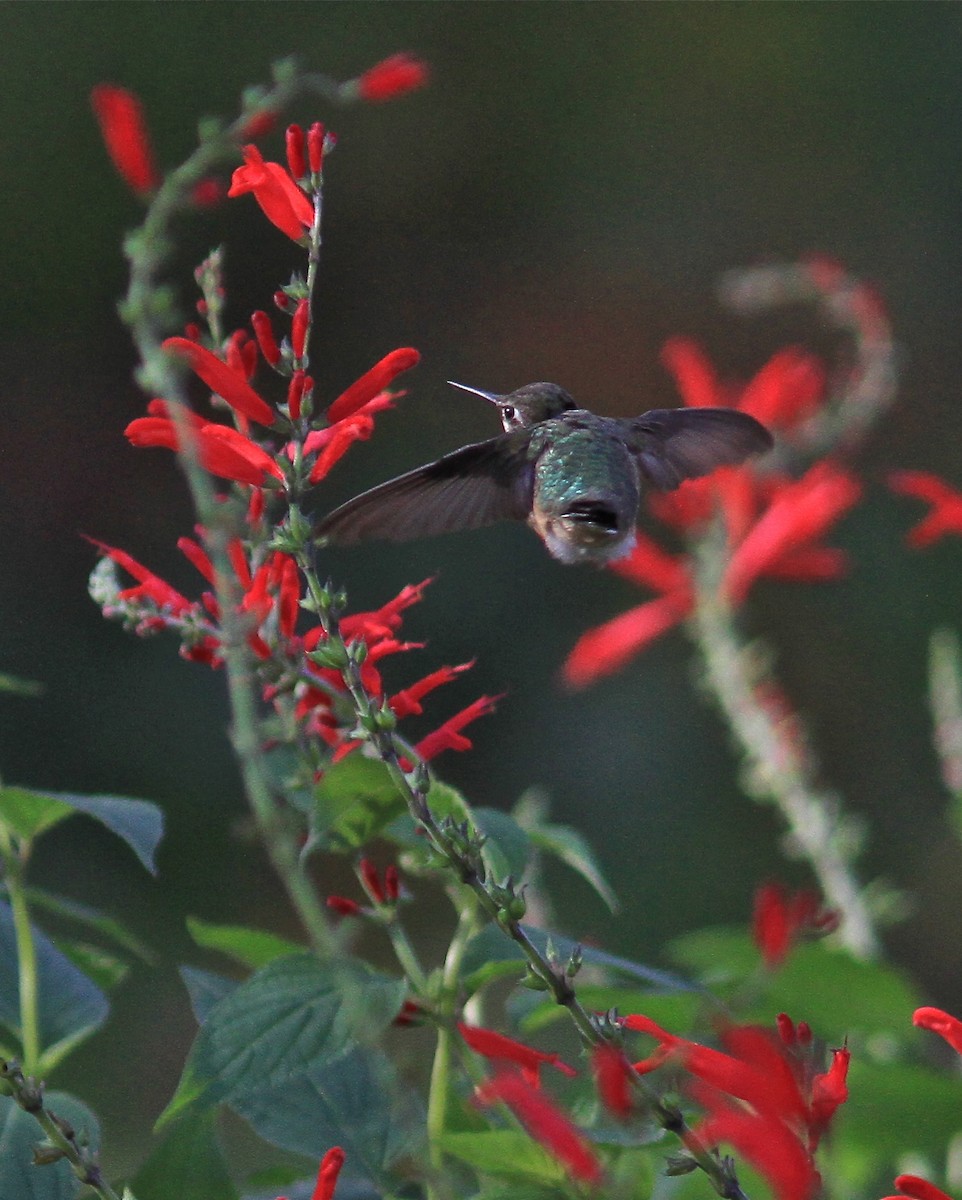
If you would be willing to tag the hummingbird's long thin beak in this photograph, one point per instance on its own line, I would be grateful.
(493, 397)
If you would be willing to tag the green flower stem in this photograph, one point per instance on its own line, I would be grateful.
(60, 1134)
(406, 955)
(15, 854)
(440, 1086)
(779, 769)
(413, 786)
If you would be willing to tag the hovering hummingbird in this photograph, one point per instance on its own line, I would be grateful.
(575, 477)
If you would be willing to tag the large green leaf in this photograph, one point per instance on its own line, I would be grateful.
(140, 823)
(71, 1005)
(93, 918)
(205, 989)
(20, 1179)
(835, 993)
(294, 1014)
(355, 800)
(188, 1164)
(252, 947)
(507, 848)
(505, 1154)
(570, 847)
(353, 1101)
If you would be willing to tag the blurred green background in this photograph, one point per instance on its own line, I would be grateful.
(560, 201)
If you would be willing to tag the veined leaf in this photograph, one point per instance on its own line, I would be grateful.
(252, 947)
(504, 1153)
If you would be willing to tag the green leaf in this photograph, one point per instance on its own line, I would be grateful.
(504, 1153)
(355, 800)
(140, 823)
(252, 947)
(570, 847)
(895, 1110)
(508, 848)
(93, 918)
(354, 1102)
(27, 814)
(188, 1164)
(293, 1014)
(20, 687)
(106, 970)
(19, 1133)
(836, 994)
(71, 1006)
(205, 989)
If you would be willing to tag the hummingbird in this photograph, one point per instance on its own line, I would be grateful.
(577, 478)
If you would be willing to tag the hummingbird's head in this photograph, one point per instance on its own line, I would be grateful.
(529, 405)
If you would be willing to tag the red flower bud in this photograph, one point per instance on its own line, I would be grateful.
(122, 126)
(393, 77)
(264, 332)
(315, 147)
(294, 143)
(299, 327)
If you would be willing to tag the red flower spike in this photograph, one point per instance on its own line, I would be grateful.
(802, 511)
(393, 77)
(448, 736)
(370, 880)
(121, 119)
(299, 327)
(315, 148)
(279, 197)
(151, 585)
(373, 382)
(407, 703)
(230, 385)
(613, 1076)
(294, 145)
(264, 332)
(945, 515)
(343, 906)
(765, 1142)
(545, 1123)
(946, 1026)
(609, 646)
(222, 451)
(500, 1049)
(918, 1189)
(327, 1174)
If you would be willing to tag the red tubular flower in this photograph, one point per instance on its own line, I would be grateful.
(299, 326)
(384, 620)
(393, 77)
(371, 880)
(448, 736)
(150, 586)
(264, 332)
(829, 1091)
(918, 1188)
(315, 147)
(294, 145)
(544, 1122)
(229, 384)
(392, 883)
(221, 450)
(122, 126)
(327, 1174)
(613, 1075)
(407, 703)
(608, 647)
(946, 1026)
(280, 199)
(343, 906)
(332, 444)
(779, 918)
(694, 374)
(290, 597)
(945, 515)
(799, 513)
(765, 1142)
(500, 1049)
(373, 382)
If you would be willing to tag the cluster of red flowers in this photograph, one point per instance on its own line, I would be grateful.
(272, 452)
(774, 523)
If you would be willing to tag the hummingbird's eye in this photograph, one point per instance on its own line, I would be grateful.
(508, 412)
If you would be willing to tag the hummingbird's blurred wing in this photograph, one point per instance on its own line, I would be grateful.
(467, 489)
(673, 444)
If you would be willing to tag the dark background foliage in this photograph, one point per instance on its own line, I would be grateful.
(558, 203)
